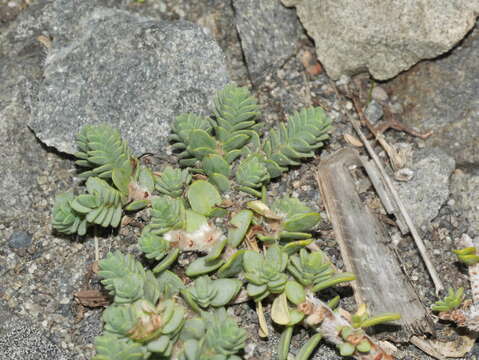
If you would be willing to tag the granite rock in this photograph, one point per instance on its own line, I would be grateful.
(21, 155)
(428, 189)
(465, 192)
(133, 72)
(22, 340)
(269, 35)
(385, 37)
(441, 96)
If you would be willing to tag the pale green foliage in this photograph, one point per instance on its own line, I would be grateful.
(297, 216)
(236, 110)
(223, 334)
(110, 347)
(172, 181)
(65, 219)
(154, 246)
(467, 255)
(313, 270)
(296, 219)
(252, 173)
(206, 292)
(362, 319)
(149, 319)
(303, 133)
(265, 272)
(182, 128)
(157, 327)
(126, 279)
(102, 150)
(452, 301)
(213, 145)
(214, 336)
(166, 214)
(102, 205)
(203, 197)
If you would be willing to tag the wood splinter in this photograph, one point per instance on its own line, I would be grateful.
(363, 243)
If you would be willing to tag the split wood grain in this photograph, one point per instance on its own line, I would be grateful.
(363, 243)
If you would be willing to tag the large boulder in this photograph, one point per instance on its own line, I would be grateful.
(465, 193)
(133, 72)
(269, 35)
(442, 96)
(384, 37)
(428, 190)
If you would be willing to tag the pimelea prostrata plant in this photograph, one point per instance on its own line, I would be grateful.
(156, 314)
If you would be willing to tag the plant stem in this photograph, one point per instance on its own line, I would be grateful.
(328, 323)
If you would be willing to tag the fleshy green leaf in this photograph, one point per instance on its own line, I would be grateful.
(203, 197)
(201, 267)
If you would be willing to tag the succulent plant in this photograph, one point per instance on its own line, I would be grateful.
(103, 151)
(111, 347)
(452, 301)
(206, 292)
(265, 272)
(65, 219)
(166, 214)
(314, 271)
(467, 255)
(213, 336)
(223, 153)
(362, 319)
(288, 219)
(126, 279)
(157, 327)
(172, 182)
(303, 133)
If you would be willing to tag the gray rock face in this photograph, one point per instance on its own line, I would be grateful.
(465, 192)
(384, 37)
(132, 72)
(442, 96)
(22, 340)
(269, 34)
(21, 155)
(427, 191)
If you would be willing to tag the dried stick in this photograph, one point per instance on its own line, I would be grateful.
(419, 243)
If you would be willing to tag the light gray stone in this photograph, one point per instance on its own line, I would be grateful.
(130, 71)
(269, 35)
(20, 339)
(21, 155)
(374, 112)
(428, 190)
(20, 240)
(442, 96)
(384, 37)
(465, 192)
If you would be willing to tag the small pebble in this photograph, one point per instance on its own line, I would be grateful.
(379, 94)
(343, 80)
(20, 240)
(374, 112)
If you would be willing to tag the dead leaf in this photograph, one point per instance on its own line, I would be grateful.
(352, 140)
(91, 298)
(457, 348)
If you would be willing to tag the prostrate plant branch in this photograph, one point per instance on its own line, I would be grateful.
(155, 313)
(453, 307)
(335, 329)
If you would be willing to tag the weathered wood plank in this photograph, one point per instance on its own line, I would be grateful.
(363, 243)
